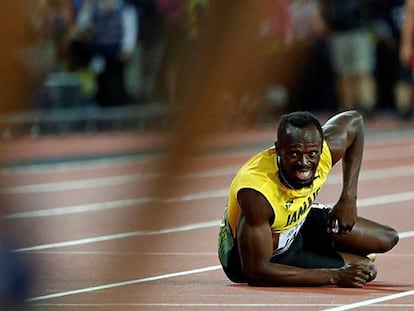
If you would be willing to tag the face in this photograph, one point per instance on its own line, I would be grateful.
(299, 152)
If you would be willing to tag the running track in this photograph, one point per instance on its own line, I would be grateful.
(88, 217)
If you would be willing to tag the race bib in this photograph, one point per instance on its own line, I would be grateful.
(286, 238)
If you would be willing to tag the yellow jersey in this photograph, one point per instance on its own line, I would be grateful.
(290, 206)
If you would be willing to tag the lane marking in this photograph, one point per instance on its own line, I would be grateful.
(111, 237)
(76, 184)
(219, 193)
(371, 153)
(134, 253)
(201, 270)
(83, 208)
(386, 199)
(407, 234)
(366, 175)
(71, 165)
(183, 254)
(124, 283)
(208, 305)
(371, 301)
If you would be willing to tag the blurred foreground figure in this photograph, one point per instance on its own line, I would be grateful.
(24, 54)
(14, 277)
(274, 234)
(112, 29)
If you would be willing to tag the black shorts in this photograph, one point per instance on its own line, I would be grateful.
(312, 248)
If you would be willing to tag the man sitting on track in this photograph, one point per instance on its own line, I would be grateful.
(273, 234)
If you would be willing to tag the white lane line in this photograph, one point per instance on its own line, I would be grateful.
(76, 184)
(386, 199)
(406, 234)
(364, 203)
(386, 153)
(196, 226)
(208, 305)
(201, 270)
(134, 253)
(124, 283)
(111, 237)
(92, 207)
(70, 166)
(219, 193)
(217, 172)
(83, 208)
(185, 305)
(371, 301)
(366, 175)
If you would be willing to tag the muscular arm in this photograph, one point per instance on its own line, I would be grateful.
(345, 137)
(255, 244)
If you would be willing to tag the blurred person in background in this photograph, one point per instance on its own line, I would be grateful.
(58, 89)
(406, 51)
(407, 34)
(112, 28)
(352, 52)
(394, 76)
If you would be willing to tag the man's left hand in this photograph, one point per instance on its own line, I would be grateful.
(342, 217)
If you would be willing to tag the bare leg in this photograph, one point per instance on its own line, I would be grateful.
(403, 97)
(365, 90)
(367, 237)
(346, 98)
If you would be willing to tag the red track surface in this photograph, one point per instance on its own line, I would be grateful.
(98, 239)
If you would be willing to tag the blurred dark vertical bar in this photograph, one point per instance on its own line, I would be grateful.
(17, 83)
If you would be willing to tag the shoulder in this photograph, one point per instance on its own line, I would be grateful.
(256, 209)
(340, 125)
(341, 129)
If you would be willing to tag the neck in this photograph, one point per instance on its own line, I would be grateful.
(282, 177)
(284, 180)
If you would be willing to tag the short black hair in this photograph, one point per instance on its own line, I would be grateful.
(299, 119)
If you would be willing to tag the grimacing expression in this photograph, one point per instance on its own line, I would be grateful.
(299, 150)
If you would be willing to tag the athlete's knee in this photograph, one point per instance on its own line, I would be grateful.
(388, 239)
